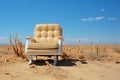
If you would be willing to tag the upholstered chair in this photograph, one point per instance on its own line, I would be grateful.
(47, 41)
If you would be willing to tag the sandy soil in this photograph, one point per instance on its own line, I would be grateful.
(106, 66)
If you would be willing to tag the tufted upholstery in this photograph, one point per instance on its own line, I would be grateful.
(47, 32)
(47, 41)
(46, 36)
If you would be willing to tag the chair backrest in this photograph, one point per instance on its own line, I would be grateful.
(47, 32)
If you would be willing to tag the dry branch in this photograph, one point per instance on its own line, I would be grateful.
(17, 46)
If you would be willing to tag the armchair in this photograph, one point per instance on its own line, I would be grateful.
(47, 41)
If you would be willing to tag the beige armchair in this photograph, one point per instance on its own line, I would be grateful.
(47, 41)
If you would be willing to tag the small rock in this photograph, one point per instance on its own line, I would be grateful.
(117, 62)
(7, 73)
(32, 66)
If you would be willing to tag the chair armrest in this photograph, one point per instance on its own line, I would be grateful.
(30, 39)
(60, 44)
(61, 38)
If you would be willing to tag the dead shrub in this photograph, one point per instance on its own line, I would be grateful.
(17, 46)
(94, 56)
(64, 55)
(117, 50)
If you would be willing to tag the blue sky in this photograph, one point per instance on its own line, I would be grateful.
(87, 20)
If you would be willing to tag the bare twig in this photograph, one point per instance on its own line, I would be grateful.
(17, 46)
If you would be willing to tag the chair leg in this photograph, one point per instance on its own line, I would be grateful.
(31, 60)
(36, 57)
(55, 60)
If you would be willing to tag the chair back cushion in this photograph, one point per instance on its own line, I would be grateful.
(47, 32)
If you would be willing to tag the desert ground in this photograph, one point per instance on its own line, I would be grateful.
(83, 62)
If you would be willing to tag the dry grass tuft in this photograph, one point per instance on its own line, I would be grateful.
(64, 56)
(88, 52)
(17, 46)
(117, 50)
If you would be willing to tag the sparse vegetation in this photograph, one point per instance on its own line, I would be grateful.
(117, 50)
(74, 68)
(17, 46)
(95, 52)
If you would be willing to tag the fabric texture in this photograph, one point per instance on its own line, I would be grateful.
(39, 52)
(45, 40)
(47, 32)
(44, 45)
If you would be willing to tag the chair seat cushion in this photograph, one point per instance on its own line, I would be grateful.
(45, 45)
(43, 52)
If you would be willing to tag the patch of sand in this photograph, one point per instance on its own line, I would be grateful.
(16, 68)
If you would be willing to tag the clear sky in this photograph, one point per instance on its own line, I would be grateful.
(88, 20)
